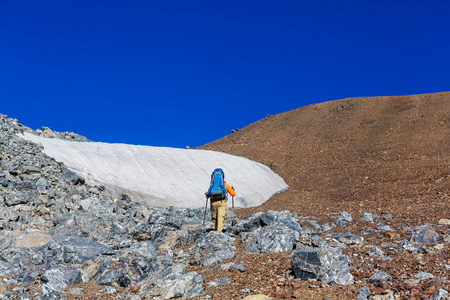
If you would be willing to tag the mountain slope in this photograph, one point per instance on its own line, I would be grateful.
(376, 154)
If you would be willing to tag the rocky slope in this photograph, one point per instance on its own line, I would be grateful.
(63, 239)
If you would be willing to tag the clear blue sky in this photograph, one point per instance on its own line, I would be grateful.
(178, 73)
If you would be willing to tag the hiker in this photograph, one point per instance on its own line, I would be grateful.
(217, 192)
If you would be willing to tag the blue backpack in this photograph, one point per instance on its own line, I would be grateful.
(217, 190)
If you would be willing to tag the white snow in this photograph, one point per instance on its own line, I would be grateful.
(161, 176)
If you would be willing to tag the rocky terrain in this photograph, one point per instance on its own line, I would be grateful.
(366, 217)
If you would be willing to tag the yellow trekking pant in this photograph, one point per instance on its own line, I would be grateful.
(218, 211)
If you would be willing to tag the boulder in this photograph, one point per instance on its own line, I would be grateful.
(52, 281)
(327, 264)
(212, 247)
(172, 282)
(270, 239)
(424, 235)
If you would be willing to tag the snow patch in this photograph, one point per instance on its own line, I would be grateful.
(162, 176)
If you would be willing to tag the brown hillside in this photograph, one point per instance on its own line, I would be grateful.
(377, 154)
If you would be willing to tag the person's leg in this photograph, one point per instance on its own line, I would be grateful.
(221, 212)
(214, 210)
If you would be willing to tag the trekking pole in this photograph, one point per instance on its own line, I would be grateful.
(204, 216)
(233, 223)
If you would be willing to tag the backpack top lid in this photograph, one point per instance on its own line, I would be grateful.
(217, 185)
(218, 170)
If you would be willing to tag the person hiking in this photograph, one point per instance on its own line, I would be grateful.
(217, 193)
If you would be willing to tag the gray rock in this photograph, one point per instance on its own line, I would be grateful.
(172, 282)
(108, 277)
(348, 238)
(327, 264)
(343, 218)
(424, 235)
(363, 293)
(379, 277)
(109, 290)
(213, 247)
(73, 178)
(440, 294)
(262, 219)
(423, 276)
(367, 217)
(4, 182)
(270, 239)
(413, 248)
(76, 291)
(239, 267)
(20, 197)
(386, 217)
(218, 282)
(53, 280)
(317, 241)
(385, 228)
(312, 225)
(377, 252)
(73, 250)
(232, 266)
(73, 276)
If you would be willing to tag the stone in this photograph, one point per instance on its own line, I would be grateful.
(17, 197)
(389, 295)
(367, 217)
(172, 282)
(76, 291)
(31, 170)
(73, 178)
(343, 218)
(379, 277)
(34, 239)
(423, 276)
(425, 235)
(270, 239)
(74, 249)
(444, 222)
(317, 241)
(327, 264)
(258, 220)
(53, 280)
(218, 282)
(348, 238)
(312, 225)
(109, 290)
(386, 217)
(4, 182)
(385, 228)
(257, 297)
(73, 276)
(363, 293)
(440, 294)
(213, 247)
(375, 251)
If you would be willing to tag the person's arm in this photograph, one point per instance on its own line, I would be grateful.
(230, 190)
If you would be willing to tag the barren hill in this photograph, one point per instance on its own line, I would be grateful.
(368, 154)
